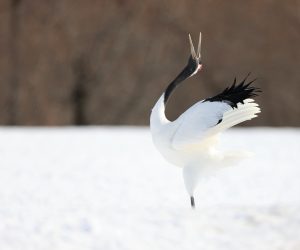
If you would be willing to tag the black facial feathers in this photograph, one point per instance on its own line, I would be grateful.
(188, 70)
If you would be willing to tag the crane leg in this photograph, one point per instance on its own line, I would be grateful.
(193, 202)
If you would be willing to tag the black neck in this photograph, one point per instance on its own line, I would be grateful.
(185, 73)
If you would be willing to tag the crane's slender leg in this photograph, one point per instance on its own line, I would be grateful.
(193, 202)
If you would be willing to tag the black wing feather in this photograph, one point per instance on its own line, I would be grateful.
(236, 93)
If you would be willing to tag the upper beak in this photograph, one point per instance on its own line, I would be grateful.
(193, 53)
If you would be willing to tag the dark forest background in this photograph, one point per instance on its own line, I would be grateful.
(82, 62)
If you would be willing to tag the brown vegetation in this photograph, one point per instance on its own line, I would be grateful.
(106, 62)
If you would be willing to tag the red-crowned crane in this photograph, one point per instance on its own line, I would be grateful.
(189, 141)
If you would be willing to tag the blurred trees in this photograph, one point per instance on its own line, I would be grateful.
(106, 62)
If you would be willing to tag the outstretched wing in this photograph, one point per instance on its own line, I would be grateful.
(213, 115)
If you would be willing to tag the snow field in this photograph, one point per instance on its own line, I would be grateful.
(108, 188)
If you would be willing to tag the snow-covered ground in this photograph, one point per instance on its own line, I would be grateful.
(108, 188)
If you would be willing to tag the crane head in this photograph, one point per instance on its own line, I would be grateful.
(195, 63)
(193, 66)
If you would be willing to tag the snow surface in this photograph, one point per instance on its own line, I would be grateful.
(108, 188)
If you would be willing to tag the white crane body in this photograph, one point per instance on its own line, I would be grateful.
(190, 141)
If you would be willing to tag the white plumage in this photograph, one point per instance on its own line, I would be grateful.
(190, 141)
(195, 132)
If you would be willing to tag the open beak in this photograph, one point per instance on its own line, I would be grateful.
(193, 53)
